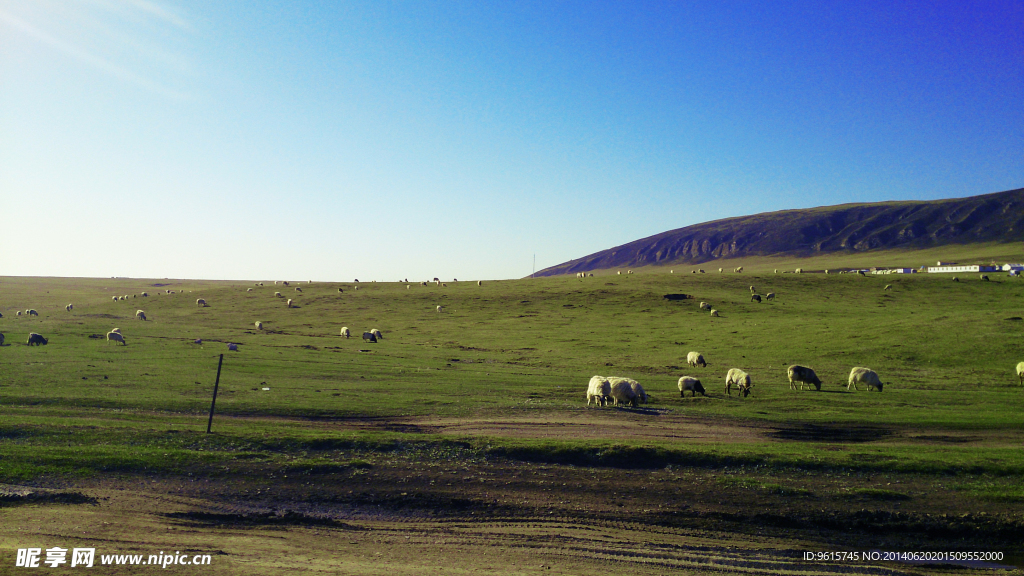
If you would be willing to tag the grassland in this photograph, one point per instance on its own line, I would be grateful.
(337, 430)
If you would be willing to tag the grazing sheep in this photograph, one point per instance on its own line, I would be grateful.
(705, 306)
(444, 285)
(297, 289)
(1020, 366)
(599, 390)
(232, 347)
(799, 270)
(377, 334)
(423, 283)
(720, 270)
(248, 289)
(19, 313)
(618, 272)
(739, 269)
(803, 375)
(752, 290)
(356, 280)
(69, 307)
(440, 309)
(289, 302)
(201, 303)
(984, 277)
(116, 337)
(776, 270)
(479, 282)
(285, 283)
(955, 279)
(695, 359)
(700, 271)
(259, 325)
(770, 296)
(355, 287)
(690, 384)
(36, 339)
(340, 291)
(345, 332)
(145, 294)
(140, 315)
(756, 298)
(639, 391)
(369, 337)
(887, 287)
(114, 298)
(714, 313)
(31, 312)
(740, 379)
(864, 376)
(826, 271)
(624, 391)
(278, 295)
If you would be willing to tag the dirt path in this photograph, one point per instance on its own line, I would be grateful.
(153, 520)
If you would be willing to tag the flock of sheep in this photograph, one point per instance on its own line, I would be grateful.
(603, 390)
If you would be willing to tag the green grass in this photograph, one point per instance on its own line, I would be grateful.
(81, 405)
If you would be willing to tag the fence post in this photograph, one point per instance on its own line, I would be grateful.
(215, 385)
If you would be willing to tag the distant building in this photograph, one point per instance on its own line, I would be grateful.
(975, 268)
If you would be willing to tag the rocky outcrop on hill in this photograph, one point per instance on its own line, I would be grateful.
(995, 217)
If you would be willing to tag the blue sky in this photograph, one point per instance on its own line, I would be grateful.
(377, 140)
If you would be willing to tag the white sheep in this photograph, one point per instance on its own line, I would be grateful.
(1020, 370)
(696, 359)
(440, 309)
(345, 332)
(599, 390)
(865, 376)
(618, 272)
(248, 289)
(116, 337)
(479, 282)
(752, 290)
(803, 375)
(259, 325)
(69, 307)
(145, 294)
(739, 269)
(738, 378)
(278, 295)
(705, 306)
(770, 296)
(690, 384)
(289, 302)
(887, 287)
(19, 313)
(140, 315)
(714, 313)
(701, 271)
(201, 303)
(114, 298)
(799, 270)
(626, 390)
(377, 334)
(720, 270)
(31, 312)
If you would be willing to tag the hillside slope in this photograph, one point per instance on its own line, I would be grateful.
(852, 228)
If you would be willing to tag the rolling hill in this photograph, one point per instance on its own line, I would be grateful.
(845, 228)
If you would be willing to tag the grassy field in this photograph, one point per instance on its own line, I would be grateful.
(496, 383)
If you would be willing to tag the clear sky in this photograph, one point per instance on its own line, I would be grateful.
(391, 140)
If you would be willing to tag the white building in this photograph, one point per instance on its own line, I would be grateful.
(975, 268)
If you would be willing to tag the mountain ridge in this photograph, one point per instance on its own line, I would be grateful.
(850, 228)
